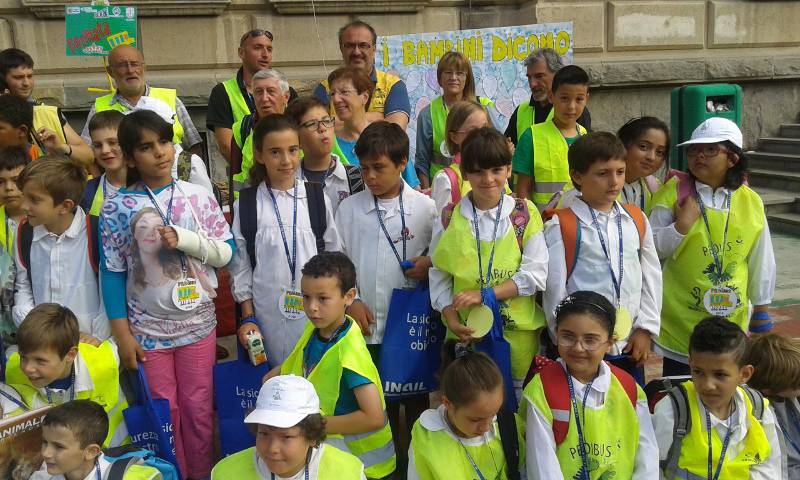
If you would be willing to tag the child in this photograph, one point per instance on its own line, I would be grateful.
(598, 244)
(275, 236)
(333, 356)
(507, 262)
(72, 439)
(693, 215)
(646, 141)
(317, 140)
(55, 255)
(466, 435)
(448, 185)
(12, 161)
(16, 126)
(744, 440)
(540, 158)
(580, 400)
(776, 374)
(56, 368)
(162, 239)
(103, 128)
(290, 437)
(388, 236)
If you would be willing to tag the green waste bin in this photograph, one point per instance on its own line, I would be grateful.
(691, 105)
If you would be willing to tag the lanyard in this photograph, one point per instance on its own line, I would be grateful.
(478, 242)
(402, 229)
(584, 456)
(472, 462)
(165, 216)
(596, 225)
(97, 473)
(795, 422)
(466, 452)
(716, 253)
(71, 389)
(325, 175)
(724, 445)
(15, 401)
(331, 341)
(305, 467)
(290, 257)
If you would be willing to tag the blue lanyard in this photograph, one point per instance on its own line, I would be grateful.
(472, 462)
(331, 341)
(724, 445)
(402, 229)
(97, 473)
(71, 389)
(325, 175)
(584, 456)
(596, 225)
(718, 254)
(478, 241)
(290, 257)
(793, 417)
(165, 216)
(15, 401)
(305, 467)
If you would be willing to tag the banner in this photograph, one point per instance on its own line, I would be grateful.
(21, 444)
(93, 31)
(496, 55)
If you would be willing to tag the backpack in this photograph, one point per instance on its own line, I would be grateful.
(248, 217)
(682, 424)
(126, 456)
(455, 185)
(354, 179)
(520, 216)
(25, 240)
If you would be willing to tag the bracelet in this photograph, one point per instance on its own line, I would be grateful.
(764, 327)
(250, 319)
(761, 316)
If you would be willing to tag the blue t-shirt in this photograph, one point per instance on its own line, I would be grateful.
(347, 147)
(312, 354)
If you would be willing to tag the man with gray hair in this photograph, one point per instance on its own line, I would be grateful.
(541, 66)
(270, 96)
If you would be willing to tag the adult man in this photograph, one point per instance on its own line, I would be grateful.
(232, 99)
(49, 124)
(541, 65)
(126, 66)
(357, 41)
(270, 95)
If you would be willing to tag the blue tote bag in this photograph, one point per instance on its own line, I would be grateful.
(236, 387)
(149, 421)
(412, 341)
(497, 347)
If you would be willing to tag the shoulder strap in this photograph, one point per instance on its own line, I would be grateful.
(756, 400)
(89, 193)
(248, 221)
(447, 214)
(681, 426)
(571, 236)
(556, 393)
(627, 381)
(520, 216)
(507, 425)
(184, 165)
(24, 241)
(455, 185)
(652, 183)
(91, 242)
(639, 219)
(119, 467)
(354, 179)
(316, 213)
(246, 127)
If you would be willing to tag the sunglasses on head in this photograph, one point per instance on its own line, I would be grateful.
(255, 34)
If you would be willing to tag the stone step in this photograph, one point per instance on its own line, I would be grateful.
(779, 145)
(790, 130)
(785, 223)
(774, 161)
(787, 181)
(778, 201)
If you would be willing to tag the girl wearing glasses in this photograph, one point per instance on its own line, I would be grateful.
(712, 236)
(584, 418)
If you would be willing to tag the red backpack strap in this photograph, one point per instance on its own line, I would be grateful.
(556, 393)
(455, 185)
(639, 219)
(627, 382)
(520, 216)
(571, 236)
(447, 214)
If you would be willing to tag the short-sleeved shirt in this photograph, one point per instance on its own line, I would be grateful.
(129, 225)
(312, 354)
(220, 112)
(540, 114)
(523, 155)
(396, 99)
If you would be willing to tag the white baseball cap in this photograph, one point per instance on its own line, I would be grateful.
(155, 105)
(284, 401)
(715, 130)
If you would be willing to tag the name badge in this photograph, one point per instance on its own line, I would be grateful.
(186, 294)
(720, 301)
(290, 304)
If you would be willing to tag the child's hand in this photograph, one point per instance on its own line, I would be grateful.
(639, 346)
(244, 330)
(463, 332)
(49, 139)
(420, 269)
(86, 338)
(467, 298)
(130, 352)
(511, 145)
(363, 317)
(686, 215)
(169, 238)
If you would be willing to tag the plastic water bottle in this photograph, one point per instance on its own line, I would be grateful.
(255, 348)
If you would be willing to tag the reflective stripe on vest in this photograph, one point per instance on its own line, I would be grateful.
(687, 275)
(104, 372)
(439, 111)
(47, 116)
(239, 105)
(334, 464)
(166, 95)
(525, 116)
(383, 85)
(375, 449)
(550, 165)
(693, 462)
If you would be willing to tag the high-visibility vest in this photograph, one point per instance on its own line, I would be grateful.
(6, 232)
(550, 164)
(166, 95)
(334, 464)
(439, 112)
(47, 116)
(525, 117)
(239, 105)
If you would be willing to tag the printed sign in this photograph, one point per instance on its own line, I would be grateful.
(93, 31)
(21, 444)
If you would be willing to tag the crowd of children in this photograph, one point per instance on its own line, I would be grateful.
(553, 295)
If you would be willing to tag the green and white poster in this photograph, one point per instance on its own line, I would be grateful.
(93, 31)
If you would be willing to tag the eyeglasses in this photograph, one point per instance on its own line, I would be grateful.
(360, 46)
(128, 65)
(313, 125)
(589, 344)
(450, 73)
(255, 34)
(708, 150)
(343, 93)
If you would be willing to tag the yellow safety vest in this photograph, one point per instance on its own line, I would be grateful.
(525, 117)
(239, 105)
(374, 449)
(688, 272)
(383, 85)
(438, 111)
(141, 472)
(693, 462)
(47, 116)
(104, 372)
(334, 464)
(166, 95)
(457, 254)
(6, 232)
(550, 164)
(611, 433)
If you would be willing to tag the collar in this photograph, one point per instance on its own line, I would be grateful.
(240, 80)
(338, 171)
(600, 384)
(583, 211)
(83, 381)
(702, 187)
(73, 231)
(265, 473)
(117, 98)
(433, 420)
(301, 191)
(739, 424)
(466, 208)
(407, 199)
